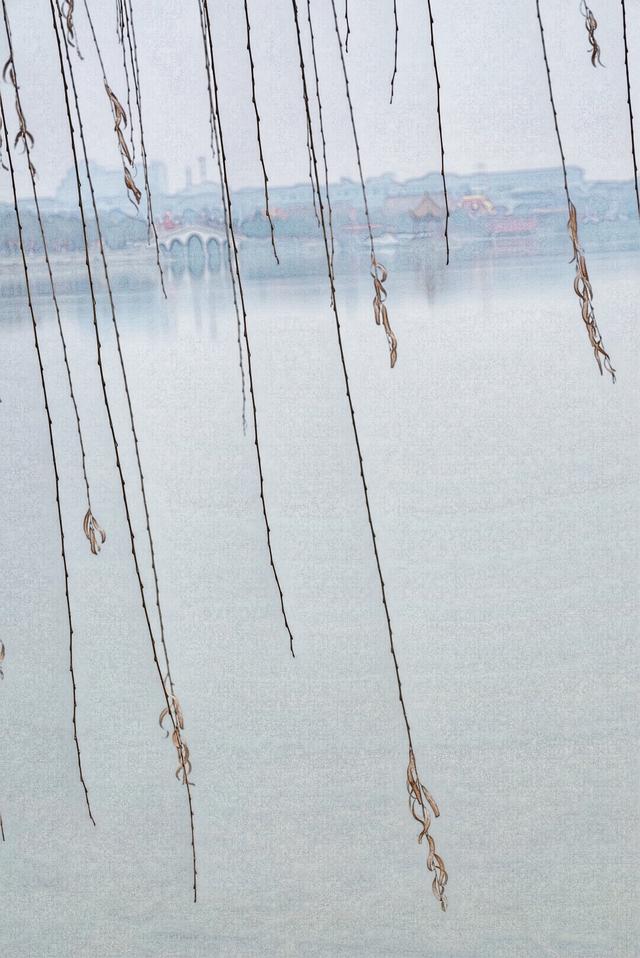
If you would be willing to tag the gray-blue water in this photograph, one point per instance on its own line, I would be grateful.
(503, 473)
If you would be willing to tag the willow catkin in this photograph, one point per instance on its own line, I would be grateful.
(591, 25)
(72, 108)
(582, 284)
(205, 20)
(414, 786)
(378, 272)
(54, 459)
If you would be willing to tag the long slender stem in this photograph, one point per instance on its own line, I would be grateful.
(215, 152)
(45, 248)
(45, 396)
(236, 261)
(582, 284)
(631, 125)
(378, 272)
(321, 125)
(257, 116)
(395, 49)
(439, 112)
(133, 57)
(72, 135)
(343, 363)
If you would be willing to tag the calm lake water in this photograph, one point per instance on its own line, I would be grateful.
(503, 473)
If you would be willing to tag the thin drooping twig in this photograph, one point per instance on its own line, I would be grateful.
(215, 152)
(2, 829)
(581, 284)
(133, 60)
(215, 106)
(45, 396)
(91, 527)
(127, 78)
(348, 28)
(591, 25)
(418, 794)
(120, 122)
(321, 126)
(395, 48)
(184, 767)
(440, 135)
(631, 126)
(378, 271)
(257, 116)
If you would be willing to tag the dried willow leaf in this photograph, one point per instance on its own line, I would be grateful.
(120, 124)
(381, 316)
(584, 292)
(419, 799)
(22, 136)
(67, 11)
(94, 532)
(591, 25)
(2, 653)
(174, 711)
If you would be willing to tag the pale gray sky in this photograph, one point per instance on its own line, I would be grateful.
(495, 107)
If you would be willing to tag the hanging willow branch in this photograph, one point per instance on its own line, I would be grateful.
(321, 125)
(591, 25)
(257, 116)
(120, 123)
(440, 135)
(217, 120)
(395, 49)
(581, 284)
(434, 862)
(378, 272)
(91, 527)
(54, 460)
(215, 152)
(129, 32)
(65, 61)
(631, 126)
(348, 28)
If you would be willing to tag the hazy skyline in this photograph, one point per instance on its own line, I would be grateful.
(495, 107)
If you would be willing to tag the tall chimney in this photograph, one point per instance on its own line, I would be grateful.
(202, 164)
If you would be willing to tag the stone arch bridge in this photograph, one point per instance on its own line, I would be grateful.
(194, 241)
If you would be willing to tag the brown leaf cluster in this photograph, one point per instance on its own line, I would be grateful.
(174, 712)
(94, 532)
(584, 292)
(23, 136)
(591, 25)
(381, 316)
(120, 124)
(420, 801)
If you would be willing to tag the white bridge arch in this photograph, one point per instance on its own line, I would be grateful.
(199, 238)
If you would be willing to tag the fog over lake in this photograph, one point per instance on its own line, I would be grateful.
(503, 476)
